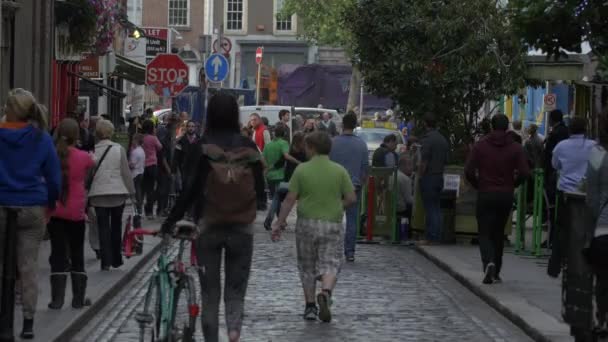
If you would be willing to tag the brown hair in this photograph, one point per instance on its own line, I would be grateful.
(67, 135)
(138, 139)
(22, 106)
(319, 141)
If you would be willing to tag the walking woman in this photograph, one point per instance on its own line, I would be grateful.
(152, 147)
(67, 224)
(229, 174)
(597, 234)
(112, 185)
(30, 178)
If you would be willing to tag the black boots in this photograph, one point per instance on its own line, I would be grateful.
(58, 281)
(79, 288)
(28, 329)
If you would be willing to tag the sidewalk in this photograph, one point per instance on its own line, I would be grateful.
(527, 296)
(61, 325)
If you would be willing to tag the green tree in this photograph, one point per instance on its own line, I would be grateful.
(322, 25)
(446, 57)
(557, 25)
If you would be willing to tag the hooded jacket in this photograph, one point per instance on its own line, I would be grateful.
(30, 173)
(497, 164)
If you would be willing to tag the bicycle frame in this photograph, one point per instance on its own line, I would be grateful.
(167, 274)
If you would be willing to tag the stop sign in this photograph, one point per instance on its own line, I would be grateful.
(258, 55)
(167, 75)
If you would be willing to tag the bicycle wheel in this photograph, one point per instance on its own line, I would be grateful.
(149, 318)
(185, 310)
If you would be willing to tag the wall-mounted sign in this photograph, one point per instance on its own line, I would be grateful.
(89, 66)
(157, 41)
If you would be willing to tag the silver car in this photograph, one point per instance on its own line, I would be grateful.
(373, 137)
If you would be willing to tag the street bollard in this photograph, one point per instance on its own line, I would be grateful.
(371, 192)
(9, 273)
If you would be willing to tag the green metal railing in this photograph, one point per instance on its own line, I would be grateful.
(537, 215)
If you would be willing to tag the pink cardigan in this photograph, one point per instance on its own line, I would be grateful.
(79, 163)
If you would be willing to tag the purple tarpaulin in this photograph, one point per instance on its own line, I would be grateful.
(314, 84)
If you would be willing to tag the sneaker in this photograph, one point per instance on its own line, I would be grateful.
(311, 313)
(490, 274)
(324, 301)
(497, 279)
(350, 259)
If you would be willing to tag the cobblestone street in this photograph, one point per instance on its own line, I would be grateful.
(390, 293)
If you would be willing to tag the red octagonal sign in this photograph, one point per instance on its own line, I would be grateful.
(167, 75)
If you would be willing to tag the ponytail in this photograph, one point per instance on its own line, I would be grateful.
(61, 145)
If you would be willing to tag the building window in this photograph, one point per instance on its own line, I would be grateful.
(235, 15)
(179, 12)
(283, 23)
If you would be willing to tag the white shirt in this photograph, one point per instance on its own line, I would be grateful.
(137, 161)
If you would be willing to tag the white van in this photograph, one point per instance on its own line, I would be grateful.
(272, 113)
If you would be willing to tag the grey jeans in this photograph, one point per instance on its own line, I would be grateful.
(30, 230)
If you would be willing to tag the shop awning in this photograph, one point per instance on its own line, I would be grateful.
(111, 91)
(130, 70)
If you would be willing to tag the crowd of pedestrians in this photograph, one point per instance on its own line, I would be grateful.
(222, 175)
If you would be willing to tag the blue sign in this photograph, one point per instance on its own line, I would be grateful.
(216, 68)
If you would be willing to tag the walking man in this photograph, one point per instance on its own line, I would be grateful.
(261, 135)
(434, 156)
(350, 151)
(319, 229)
(385, 155)
(495, 167)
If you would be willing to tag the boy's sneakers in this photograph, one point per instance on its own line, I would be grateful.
(490, 273)
(311, 313)
(324, 301)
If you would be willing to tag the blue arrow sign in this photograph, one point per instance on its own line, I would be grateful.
(216, 68)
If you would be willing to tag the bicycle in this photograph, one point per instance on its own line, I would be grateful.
(169, 283)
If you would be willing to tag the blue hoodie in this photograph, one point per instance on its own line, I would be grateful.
(30, 172)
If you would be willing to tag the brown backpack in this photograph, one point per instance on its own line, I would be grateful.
(230, 195)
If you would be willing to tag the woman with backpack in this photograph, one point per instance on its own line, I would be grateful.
(30, 181)
(67, 224)
(229, 176)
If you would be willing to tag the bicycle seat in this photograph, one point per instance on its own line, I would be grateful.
(185, 230)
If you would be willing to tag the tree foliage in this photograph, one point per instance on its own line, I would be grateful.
(443, 56)
(319, 20)
(557, 25)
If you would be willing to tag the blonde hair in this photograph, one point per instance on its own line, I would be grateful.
(21, 106)
(104, 129)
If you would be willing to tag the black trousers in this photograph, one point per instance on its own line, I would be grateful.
(67, 245)
(139, 192)
(109, 224)
(149, 187)
(163, 189)
(237, 244)
(493, 210)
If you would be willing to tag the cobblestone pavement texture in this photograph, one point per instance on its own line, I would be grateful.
(390, 293)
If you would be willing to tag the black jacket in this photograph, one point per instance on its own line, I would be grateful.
(195, 192)
(185, 154)
(559, 133)
(379, 157)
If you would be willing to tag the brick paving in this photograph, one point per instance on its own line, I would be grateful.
(391, 293)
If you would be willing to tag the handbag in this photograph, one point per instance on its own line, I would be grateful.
(91, 176)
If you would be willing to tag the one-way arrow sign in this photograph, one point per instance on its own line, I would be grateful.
(216, 68)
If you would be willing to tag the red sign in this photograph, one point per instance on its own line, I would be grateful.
(258, 55)
(157, 41)
(226, 47)
(550, 102)
(89, 66)
(167, 75)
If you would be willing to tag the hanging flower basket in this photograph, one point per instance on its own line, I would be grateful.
(90, 23)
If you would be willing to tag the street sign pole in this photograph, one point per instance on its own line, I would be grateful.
(258, 59)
